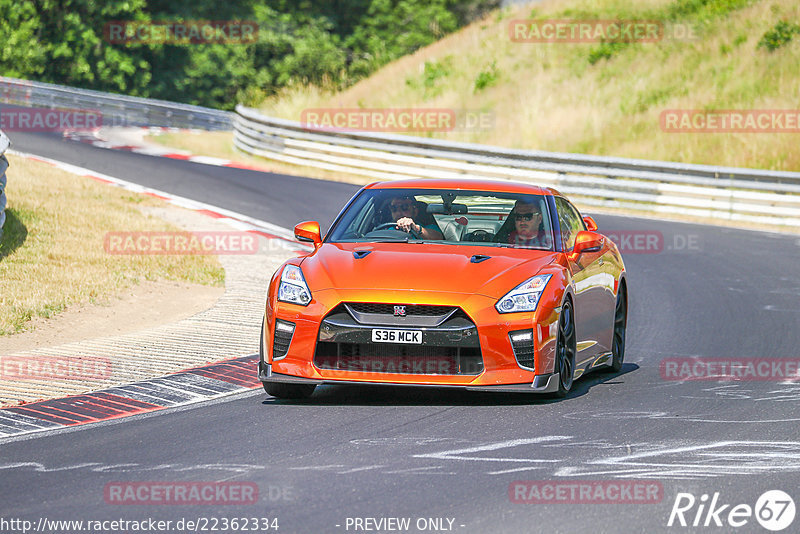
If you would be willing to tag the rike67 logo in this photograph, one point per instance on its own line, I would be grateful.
(774, 510)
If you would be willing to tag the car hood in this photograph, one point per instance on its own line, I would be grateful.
(422, 267)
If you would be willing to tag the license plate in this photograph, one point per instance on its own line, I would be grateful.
(413, 337)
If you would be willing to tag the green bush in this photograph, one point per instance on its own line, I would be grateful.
(605, 51)
(434, 70)
(487, 77)
(703, 9)
(779, 35)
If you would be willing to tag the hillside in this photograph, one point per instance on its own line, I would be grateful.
(601, 98)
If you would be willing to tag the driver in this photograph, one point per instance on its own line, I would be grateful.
(405, 210)
(528, 228)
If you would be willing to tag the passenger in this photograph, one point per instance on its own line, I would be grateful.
(406, 212)
(528, 226)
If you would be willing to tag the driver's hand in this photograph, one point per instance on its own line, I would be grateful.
(407, 224)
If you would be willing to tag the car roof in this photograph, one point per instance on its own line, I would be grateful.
(499, 186)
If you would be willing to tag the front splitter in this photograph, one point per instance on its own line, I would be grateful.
(541, 383)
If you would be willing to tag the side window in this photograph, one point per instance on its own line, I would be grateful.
(570, 222)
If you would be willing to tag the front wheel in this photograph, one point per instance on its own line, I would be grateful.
(289, 391)
(566, 348)
(620, 326)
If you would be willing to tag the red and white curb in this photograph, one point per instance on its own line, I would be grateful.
(241, 222)
(93, 138)
(180, 389)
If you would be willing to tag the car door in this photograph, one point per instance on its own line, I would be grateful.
(594, 298)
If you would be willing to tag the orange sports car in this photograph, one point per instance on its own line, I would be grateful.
(483, 285)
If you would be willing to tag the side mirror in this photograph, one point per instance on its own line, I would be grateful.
(587, 241)
(308, 231)
(590, 224)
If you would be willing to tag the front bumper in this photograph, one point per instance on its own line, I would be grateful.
(541, 383)
(491, 332)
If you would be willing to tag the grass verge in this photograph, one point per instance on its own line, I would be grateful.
(52, 254)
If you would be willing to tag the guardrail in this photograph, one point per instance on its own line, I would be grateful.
(4, 144)
(735, 194)
(116, 110)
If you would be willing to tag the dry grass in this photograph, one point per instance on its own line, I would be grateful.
(52, 254)
(550, 97)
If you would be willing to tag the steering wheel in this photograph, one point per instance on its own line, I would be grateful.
(480, 236)
(387, 225)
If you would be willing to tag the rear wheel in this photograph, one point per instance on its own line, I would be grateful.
(566, 347)
(289, 391)
(620, 326)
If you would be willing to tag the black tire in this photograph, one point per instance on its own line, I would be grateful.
(289, 391)
(261, 355)
(566, 348)
(620, 327)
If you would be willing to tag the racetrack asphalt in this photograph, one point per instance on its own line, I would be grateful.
(359, 452)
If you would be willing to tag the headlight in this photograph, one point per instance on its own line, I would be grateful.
(525, 296)
(293, 286)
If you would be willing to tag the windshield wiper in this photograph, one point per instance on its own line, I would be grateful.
(392, 240)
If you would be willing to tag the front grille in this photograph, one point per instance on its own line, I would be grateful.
(403, 359)
(382, 314)
(388, 309)
(522, 344)
(284, 330)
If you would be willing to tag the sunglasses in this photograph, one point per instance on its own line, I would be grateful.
(525, 216)
(400, 207)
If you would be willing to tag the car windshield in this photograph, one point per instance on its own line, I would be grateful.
(446, 217)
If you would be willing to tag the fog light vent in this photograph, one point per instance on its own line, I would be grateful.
(284, 330)
(522, 343)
